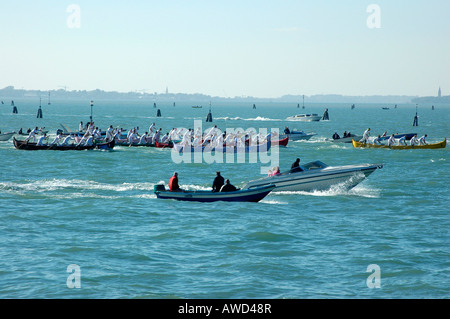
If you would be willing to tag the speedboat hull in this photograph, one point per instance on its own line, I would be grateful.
(23, 145)
(248, 195)
(298, 135)
(317, 176)
(6, 136)
(306, 117)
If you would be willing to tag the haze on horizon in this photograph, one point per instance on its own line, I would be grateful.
(228, 48)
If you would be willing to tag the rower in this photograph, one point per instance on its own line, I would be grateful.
(32, 134)
(391, 141)
(377, 140)
(402, 140)
(414, 140)
(57, 139)
(366, 136)
(422, 140)
(41, 139)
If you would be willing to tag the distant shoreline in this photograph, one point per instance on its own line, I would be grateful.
(9, 93)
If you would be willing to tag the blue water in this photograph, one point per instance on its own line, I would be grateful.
(97, 210)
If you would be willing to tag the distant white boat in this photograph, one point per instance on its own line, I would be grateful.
(306, 117)
(6, 136)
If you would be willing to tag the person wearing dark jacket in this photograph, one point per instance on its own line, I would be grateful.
(218, 182)
(228, 187)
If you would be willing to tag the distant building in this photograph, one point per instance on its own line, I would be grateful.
(439, 92)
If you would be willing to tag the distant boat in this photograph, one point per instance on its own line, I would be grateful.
(254, 106)
(385, 108)
(197, 106)
(353, 106)
(306, 117)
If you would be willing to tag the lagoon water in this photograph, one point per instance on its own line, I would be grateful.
(97, 210)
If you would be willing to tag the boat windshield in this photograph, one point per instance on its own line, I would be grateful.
(314, 165)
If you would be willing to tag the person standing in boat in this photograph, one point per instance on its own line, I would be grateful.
(402, 140)
(228, 187)
(366, 136)
(109, 134)
(218, 182)
(42, 139)
(422, 140)
(414, 141)
(57, 139)
(336, 136)
(173, 183)
(32, 134)
(287, 130)
(391, 141)
(377, 140)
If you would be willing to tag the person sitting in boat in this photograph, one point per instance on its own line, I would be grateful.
(217, 183)
(32, 134)
(276, 171)
(143, 139)
(173, 183)
(422, 140)
(377, 140)
(336, 136)
(42, 139)
(391, 141)
(402, 140)
(414, 140)
(295, 167)
(287, 130)
(228, 187)
(366, 136)
(345, 134)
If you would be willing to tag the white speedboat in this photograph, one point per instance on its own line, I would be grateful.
(6, 136)
(306, 117)
(317, 176)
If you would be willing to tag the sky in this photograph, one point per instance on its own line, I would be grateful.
(260, 48)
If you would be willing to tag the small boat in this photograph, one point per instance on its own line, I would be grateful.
(197, 106)
(298, 135)
(247, 195)
(6, 136)
(401, 147)
(306, 117)
(281, 141)
(385, 108)
(347, 139)
(317, 176)
(23, 145)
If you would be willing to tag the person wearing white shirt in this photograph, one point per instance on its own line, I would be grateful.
(57, 139)
(109, 133)
(165, 138)
(402, 140)
(422, 140)
(377, 140)
(150, 129)
(32, 134)
(414, 141)
(42, 139)
(143, 139)
(66, 140)
(391, 140)
(366, 136)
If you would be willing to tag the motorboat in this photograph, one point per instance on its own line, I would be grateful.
(401, 147)
(347, 139)
(317, 176)
(6, 136)
(241, 195)
(298, 135)
(306, 117)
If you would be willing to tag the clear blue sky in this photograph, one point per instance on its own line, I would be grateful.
(228, 48)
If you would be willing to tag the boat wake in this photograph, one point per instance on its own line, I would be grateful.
(338, 190)
(258, 118)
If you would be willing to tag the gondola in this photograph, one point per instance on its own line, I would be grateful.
(23, 145)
